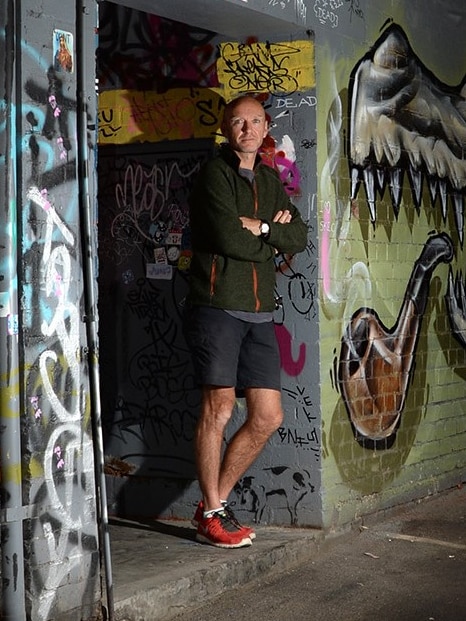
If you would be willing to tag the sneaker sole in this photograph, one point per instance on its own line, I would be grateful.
(240, 544)
(251, 535)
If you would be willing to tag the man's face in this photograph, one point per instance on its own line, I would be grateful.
(245, 126)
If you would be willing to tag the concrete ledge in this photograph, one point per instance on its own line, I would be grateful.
(159, 569)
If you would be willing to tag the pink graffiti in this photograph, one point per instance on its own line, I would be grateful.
(54, 106)
(46, 204)
(325, 245)
(58, 285)
(286, 168)
(63, 154)
(60, 460)
(35, 407)
(289, 173)
(289, 365)
(195, 56)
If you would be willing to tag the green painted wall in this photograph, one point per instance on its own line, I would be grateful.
(403, 115)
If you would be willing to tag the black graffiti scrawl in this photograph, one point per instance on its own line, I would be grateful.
(455, 300)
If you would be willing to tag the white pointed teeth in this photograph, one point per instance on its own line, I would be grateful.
(355, 181)
(369, 184)
(396, 187)
(458, 211)
(374, 178)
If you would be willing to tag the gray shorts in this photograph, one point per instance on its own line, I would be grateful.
(230, 352)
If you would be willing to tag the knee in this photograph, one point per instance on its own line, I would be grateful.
(217, 411)
(268, 424)
(276, 420)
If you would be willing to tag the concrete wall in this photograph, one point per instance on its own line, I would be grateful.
(161, 88)
(47, 167)
(391, 129)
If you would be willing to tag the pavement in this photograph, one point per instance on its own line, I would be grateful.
(159, 571)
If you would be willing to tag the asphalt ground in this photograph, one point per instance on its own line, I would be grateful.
(408, 564)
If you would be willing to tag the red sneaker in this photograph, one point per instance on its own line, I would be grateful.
(217, 530)
(232, 517)
(198, 516)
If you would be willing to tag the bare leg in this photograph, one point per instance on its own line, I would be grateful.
(265, 415)
(216, 409)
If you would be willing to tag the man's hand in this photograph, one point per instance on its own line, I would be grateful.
(254, 224)
(282, 217)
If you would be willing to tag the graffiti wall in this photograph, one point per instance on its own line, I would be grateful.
(40, 125)
(391, 223)
(157, 124)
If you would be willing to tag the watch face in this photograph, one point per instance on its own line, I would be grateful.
(265, 228)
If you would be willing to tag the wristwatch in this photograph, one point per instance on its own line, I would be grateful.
(264, 229)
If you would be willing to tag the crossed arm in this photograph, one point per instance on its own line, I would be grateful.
(253, 224)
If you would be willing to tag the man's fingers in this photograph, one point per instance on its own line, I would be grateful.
(282, 217)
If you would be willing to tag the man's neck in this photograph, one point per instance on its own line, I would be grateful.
(247, 160)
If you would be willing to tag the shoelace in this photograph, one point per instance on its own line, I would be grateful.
(231, 516)
(223, 522)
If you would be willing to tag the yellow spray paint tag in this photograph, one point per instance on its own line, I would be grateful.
(266, 67)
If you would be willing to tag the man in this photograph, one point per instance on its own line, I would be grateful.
(241, 217)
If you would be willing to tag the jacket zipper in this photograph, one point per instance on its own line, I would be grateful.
(255, 286)
(213, 276)
(254, 271)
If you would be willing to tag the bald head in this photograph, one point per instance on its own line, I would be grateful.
(245, 126)
(229, 109)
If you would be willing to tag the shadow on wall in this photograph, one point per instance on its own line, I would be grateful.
(136, 497)
(150, 400)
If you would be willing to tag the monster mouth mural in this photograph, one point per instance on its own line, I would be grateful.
(403, 121)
